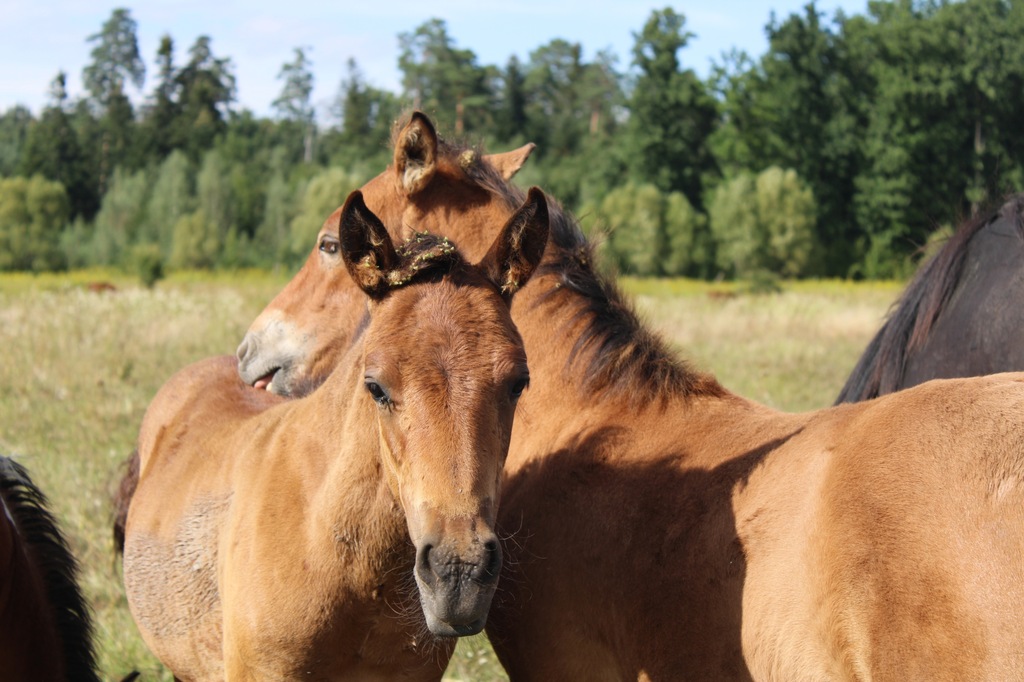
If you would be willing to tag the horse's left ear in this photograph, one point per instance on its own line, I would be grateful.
(509, 163)
(366, 246)
(416, 154)
(517, 251)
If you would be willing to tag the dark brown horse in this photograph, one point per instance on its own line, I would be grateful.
(962, 314)
(664, 528)
(45, 623)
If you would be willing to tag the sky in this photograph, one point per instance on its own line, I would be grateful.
(38, 38)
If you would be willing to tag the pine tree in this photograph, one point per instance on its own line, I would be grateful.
(671, 113)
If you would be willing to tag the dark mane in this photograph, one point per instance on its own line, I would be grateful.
(37, 526)
(880, 369)
(620, 353)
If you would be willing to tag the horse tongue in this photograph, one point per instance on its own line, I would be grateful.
(263, 382)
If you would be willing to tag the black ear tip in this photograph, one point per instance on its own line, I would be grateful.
(354, 200)
(536, 196)
(422, 119)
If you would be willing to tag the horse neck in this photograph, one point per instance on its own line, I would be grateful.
(340, 466)
(582, 329)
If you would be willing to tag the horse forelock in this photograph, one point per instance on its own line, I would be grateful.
(422, 256)
(26, 504)
(914, 314)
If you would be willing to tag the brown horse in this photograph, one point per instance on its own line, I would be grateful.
(665, 528)
(431, 184)
(326, 536)
(45, 623)
(960, 316)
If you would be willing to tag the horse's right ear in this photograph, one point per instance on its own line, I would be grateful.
(366, 246)
(416, 154)
(509, 163)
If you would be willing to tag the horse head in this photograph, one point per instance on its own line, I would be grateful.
(444, 367)
(430, 186)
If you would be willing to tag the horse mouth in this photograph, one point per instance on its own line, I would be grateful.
(266, 382)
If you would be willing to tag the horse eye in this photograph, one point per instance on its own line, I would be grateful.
(519, 386)
(329, 246)
(378, 394)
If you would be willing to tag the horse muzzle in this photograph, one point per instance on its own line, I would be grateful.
(456, 585)
(267, 361)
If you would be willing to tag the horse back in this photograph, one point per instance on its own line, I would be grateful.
(906, 550)
(183, 405)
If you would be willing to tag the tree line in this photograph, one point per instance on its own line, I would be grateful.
(838, 152)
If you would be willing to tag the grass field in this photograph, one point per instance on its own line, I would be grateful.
(78, 368)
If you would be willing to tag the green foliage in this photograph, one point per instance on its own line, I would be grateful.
(207, 86)
(33, 211)
(171, 199)
(672, 115)
(651, 233)
(196, 242)
(734, 223)
(160, 130)
(366, 114)
(325, 192)
(120, 217)
(442, 79)
(689, 249)
(148, 264)
(272, 239)
(214, 192)
(53, 149)
(115, 59)
(294, 104)
(637, 239)
(14, 127)
(895, 120)
(764, 223)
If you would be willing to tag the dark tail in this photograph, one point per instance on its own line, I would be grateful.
(123, 498)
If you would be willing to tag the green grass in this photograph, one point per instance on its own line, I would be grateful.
(78, 368)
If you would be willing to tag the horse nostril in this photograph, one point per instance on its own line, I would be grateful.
(491, 565)
(244, 349)
(424, 564)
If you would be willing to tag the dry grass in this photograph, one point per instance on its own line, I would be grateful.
(78, 368)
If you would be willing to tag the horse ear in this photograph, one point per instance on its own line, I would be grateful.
(416, 154)
(509, 163)
(517, 251)
(366, 246)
